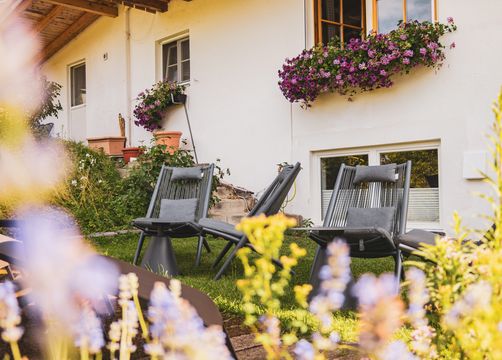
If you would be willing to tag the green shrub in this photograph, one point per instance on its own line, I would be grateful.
(100, 200)
(91, 186)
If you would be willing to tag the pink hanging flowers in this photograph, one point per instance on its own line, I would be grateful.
(363, 64)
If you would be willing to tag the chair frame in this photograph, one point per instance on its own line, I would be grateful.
(269, 204)
(151, 225)
(331, 225)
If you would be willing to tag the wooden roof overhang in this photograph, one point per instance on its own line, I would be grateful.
(57, 22)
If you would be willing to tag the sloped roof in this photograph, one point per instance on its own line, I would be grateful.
(58, 21)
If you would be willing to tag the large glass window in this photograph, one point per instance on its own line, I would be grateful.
(340, 19)
(176, 60)
(78, 85)
(390, 12)
(423, 208)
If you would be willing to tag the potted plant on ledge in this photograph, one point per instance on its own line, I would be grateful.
(150, 111)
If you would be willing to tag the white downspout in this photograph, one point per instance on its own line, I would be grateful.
(128, 73)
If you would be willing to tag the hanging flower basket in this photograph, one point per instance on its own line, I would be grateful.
(363, 64)
(153, 102)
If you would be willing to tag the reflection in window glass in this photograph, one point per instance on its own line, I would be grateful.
(352, 11)
(390, 12)
(331, 10)
(420, 10)
(78, 85)
(330, 32)
(329, 171)
(424, 193)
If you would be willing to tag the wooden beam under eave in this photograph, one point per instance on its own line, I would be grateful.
(55, 11)
(88, 6)
(66, 36)
(157, 5)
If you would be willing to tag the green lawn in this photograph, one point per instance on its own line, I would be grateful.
(224, 292)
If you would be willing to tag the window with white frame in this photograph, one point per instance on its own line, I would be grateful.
(176, 60)
(423, 209)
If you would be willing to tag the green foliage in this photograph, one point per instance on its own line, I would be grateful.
(137, 188)
(50, 105)
(263, 286)
(100, 200)
(90, 190)
(463, 278)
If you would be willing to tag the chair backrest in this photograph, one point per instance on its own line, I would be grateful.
(271, 201)
(369, 194)
(182, 189)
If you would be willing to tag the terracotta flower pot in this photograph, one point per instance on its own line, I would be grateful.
(169, 138)
(131, 153)
(110, 145)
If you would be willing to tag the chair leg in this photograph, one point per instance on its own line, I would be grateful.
(138, 248)
(206, 244)
(199, 250)
(230, 257)
(398, 269)
(222, 254)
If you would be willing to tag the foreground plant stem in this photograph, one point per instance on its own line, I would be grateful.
(16, 354)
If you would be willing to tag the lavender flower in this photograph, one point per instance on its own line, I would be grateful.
(418, 297)
(380, 311)
(62, 270)
(397, 350)
(304, 350)
(175, 325)
(88, 332)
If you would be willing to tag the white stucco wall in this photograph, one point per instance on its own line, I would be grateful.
(239, 115)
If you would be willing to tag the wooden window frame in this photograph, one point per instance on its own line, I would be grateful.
(179, 62)
(318, 21)
(375, 13)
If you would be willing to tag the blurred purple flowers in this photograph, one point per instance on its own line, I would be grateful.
(363, 64)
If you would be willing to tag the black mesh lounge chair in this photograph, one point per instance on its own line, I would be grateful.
(368, 209)
(181, 197)
(269, 204)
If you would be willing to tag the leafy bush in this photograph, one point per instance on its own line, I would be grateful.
(90, 188)
(50, 105)
(100, 200)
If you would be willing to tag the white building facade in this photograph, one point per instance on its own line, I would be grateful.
(228, 53)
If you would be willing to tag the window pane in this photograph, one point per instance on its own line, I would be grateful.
(390, 12)
(352, 12)
(185, 50)
(424, 192)
(173, 55)
(349, 33)
(329, 171)
(331, 10)
(185, 70)
(172, 73)
(329, 32)
(420, 10)
(78, 86)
